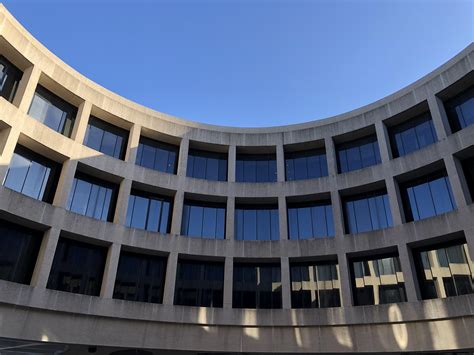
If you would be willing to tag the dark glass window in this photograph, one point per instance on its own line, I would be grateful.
(255, 222)
(77, 267)
(207, 165)
(256, 286)
(140, 277)
(444, 270)
(150, 212)
(19, 248)
(93, 197)
(106, 138)
(32, 175)
(427, 196)
(367, 212)
(52, 111)
(157, 155)
(377, 281)
(460, 110)
(199, 283)
(310, 220)
(10, 76)
(358, 154)
(412, 135)
(256, 168)
(203, 220)
(308, 164)
(468, 168)
(314, 285)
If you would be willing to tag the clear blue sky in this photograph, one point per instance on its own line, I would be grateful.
(251, 62)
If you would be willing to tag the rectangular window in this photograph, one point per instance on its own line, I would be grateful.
(140, 277)
(460, 110)
(427, 196)
(77, 267)
(158, 156)
(207, 165)
(52, 111)
(256, 168)
(444, 270)
(367, 212)
(468, 169)
(106, 138)
(32, 175)
(92, 197)
(412, 135)
(310, 220)
(256, 222)
(308, 164)
(315, 285)
(199, 283)
(10, 76)
(377, 280)
(256, 286)
(19, 248)
(148, 211)
(203, 220)
(358, 154)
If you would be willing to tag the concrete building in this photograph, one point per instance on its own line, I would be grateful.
(125, 228)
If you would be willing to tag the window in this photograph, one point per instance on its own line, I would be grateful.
(77, 267)
(10, 76)
(444, 270)
(427, 196)
(460, 110)
(358, 154)
(256, 286)
(367, 212)
(19, 248)
(203, 220)
(377, 280)
(92, 197)
(106, 138)
(412, 135)
(140, 277)
(150, 212)
(254, 222)
(199, 284)
(157, 155)
(308, 164)
(256, 168)
(468, 168)
(315, 285)
(207, 165)
(310, 220)
(52, 111)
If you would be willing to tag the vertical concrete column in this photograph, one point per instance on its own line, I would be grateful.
(280, 160)
(440, 119)
(80, 124)
(282, 218)
(11, 138)
(228, 281)
(285, 283)
(457, 181)
(383, 141)
(230, 218)
(65, 182)
(45, 258)
(122, 201)
(469, 234)
(183, 157)
(177, 213)
(338, 217)
(394, 197)
(331, 156)
(344, 279)
(231, 163)
(132, 144)
(110, 271)
(170, 278)
(409, 272)
(26, 88)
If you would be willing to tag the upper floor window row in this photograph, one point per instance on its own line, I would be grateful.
(256, 168)
(10, 76)
(106, 138)
(358, 154)
(460, 110)
(157, 155)
(307, 164)
(207, 165)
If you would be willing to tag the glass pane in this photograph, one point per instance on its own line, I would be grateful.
(424, 201)
(289, 168)
(131, 201)
(319, 221)
(367, 155)
(209, 222)
(140, 212)
(220, 227)
(199, 171)
(409, 140)
(275, 224)
(329, 221)
(263, 171)
(250, 225)
(17, 171)
(305, 225)
(165, 217)
(441, 196)
(361, 210)
(161, 159)
(301, 171)
(354, 161)
(195, 221)
(212, 169)
(239, 224)
(108, 144)
(148, 157)
(222, 170)
(35, 181)
(94, 137)
(81, 197)
(425, 133)
(293, 223)
(263, 225)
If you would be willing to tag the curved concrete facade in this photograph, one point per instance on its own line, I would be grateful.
(35, 313)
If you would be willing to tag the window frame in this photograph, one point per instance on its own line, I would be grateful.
(107, 127)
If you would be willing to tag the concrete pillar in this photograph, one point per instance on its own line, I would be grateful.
(183, 157)
(396, 204)
(458, 183)
(344, 279)
(409, 273)
(228, 281)
(132, 144)
(11, 138)
(469, 234)
(110, 271)
(440, 119)
(170, 278)
(282, 218)
(177, 213)
(45, 258)
(232, 163)
(331, 156)
(337, 212)
(65, 183)
(120, 214)
(230, 218)
(285, 283)
(82, 119)
(26, 88)
(383, 141)
(280, 160)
